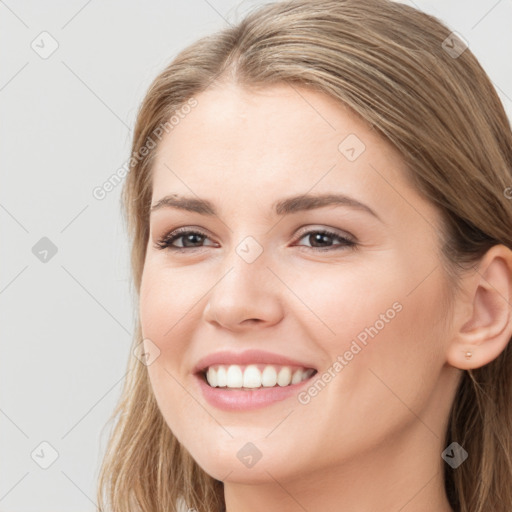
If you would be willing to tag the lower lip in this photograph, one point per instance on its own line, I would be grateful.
(245, 400)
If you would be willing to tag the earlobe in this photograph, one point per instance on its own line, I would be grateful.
(486, 327)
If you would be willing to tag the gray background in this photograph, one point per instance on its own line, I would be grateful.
(66, 322)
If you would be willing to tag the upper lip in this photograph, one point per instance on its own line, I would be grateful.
(246, 357)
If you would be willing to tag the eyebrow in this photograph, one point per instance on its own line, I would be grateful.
(285, 206)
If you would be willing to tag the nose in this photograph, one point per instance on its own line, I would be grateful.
(247, 295)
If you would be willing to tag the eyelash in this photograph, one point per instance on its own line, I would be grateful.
(166, 241)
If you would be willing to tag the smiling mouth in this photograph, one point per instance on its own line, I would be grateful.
(254, 376)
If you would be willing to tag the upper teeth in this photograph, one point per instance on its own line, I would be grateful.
(255, 376)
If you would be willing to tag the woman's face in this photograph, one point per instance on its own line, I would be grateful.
(363, 313)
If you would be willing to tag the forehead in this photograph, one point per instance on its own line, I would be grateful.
(255, 143)
(230, 118)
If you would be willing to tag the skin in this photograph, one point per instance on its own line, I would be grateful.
(372, 438)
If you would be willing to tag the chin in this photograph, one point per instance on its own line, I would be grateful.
(242, 465)
(237, 473)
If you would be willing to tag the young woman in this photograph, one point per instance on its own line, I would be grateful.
(320, 209)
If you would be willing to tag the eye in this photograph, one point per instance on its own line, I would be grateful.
(320, 240)
(189, 239)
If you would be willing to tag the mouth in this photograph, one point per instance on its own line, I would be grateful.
(254, 376)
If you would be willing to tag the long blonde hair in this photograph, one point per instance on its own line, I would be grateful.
(395, 67)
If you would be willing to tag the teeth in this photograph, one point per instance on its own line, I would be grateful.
(235, 377)
(252, 377)
(255, 376)
(269, 377)
(297, 376)
(211, 377)
(222, 376)
(284, 377)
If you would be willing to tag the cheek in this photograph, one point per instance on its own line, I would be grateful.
(393, 350)
(384, 359)
(345, 304)
(166, 309)
(382, 323)
(168, 301)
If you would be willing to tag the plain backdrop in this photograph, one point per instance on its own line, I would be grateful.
(72, 75)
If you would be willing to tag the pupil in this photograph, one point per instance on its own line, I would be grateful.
(319, 237)
(190, 238)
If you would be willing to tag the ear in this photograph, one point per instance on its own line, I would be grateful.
(483, 322)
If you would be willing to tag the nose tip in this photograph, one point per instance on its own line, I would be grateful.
(210, 313)
(239, 303)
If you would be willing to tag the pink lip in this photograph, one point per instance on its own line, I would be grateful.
(247, 399)
(246, 357)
